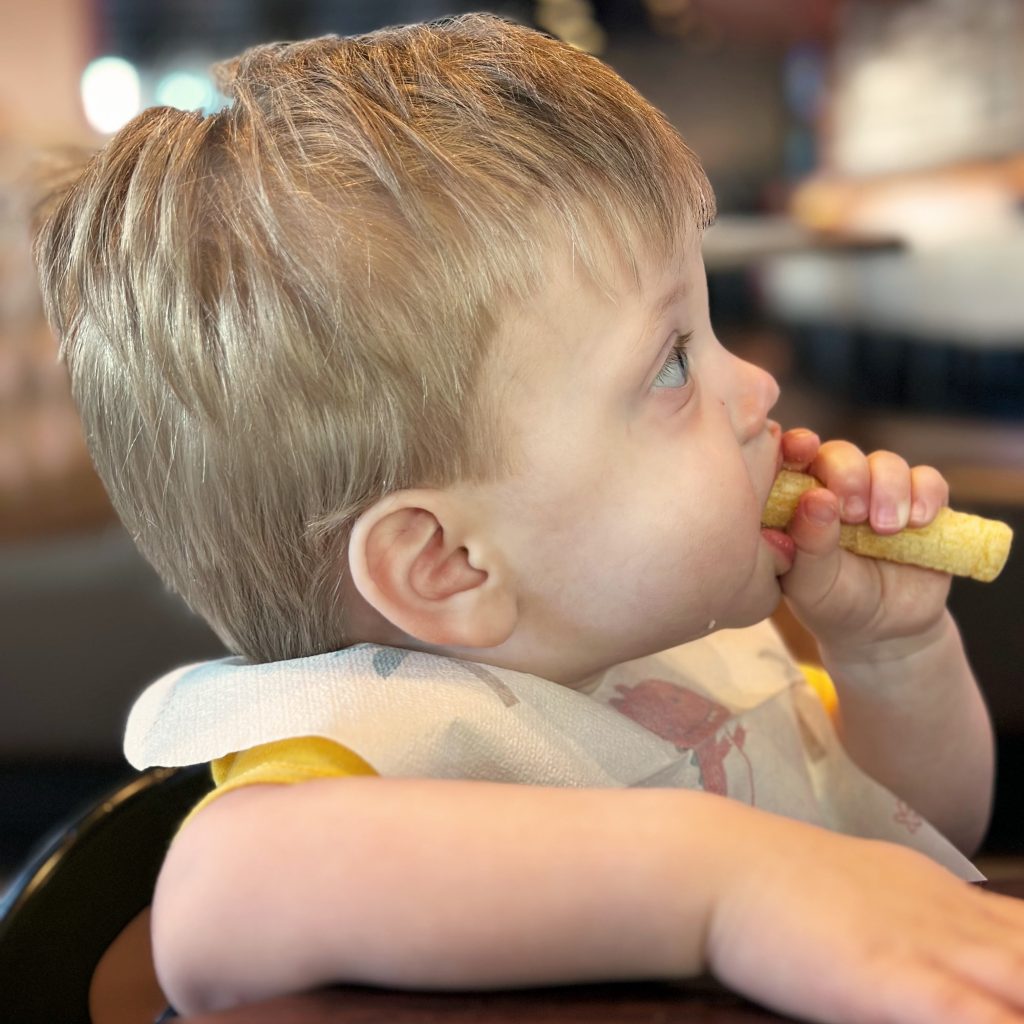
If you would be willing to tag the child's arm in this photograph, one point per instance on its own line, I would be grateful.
(911, 713)
(456, 885)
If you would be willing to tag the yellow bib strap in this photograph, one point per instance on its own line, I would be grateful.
(821, 683)
(282, 762)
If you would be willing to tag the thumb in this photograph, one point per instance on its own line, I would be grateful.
(814, 530)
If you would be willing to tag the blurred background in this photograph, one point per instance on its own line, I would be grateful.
(868, 157)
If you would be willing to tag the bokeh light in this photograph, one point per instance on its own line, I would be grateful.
(111, 93)
(186, 90)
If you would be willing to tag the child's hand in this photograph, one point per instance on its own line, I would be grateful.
(849, 602)
(845, 930)
(911, 714)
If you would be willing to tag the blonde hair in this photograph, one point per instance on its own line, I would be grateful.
(276, 314)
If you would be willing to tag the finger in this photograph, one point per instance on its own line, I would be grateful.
(925, 994)
(991, 950)
(843, 468)
(929, 492)
(1004, 910)
(799, 447)
(993, 966)
(890, 492)
(814, 529)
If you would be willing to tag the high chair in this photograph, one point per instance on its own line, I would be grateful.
(74, 934)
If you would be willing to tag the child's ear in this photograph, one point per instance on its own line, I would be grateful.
(416, 557)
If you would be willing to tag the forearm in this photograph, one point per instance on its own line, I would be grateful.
(440, 884)
(470, 885)
(913, 718)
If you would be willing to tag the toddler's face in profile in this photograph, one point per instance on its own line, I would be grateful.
(645, 455)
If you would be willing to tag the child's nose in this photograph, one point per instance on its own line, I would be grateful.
(755, 392)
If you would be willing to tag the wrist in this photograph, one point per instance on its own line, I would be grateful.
(937, 641)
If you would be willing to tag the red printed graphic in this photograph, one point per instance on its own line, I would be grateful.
(690, 721)
(906, 816)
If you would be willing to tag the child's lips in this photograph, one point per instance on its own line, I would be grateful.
(783, 548)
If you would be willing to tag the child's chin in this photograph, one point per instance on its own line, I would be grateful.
(758, 609)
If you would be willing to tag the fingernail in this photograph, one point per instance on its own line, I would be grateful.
(887, 517)
(917, 512)
(820, 511)
(892, 517)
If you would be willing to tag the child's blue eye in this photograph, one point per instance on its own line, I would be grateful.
(676, 371)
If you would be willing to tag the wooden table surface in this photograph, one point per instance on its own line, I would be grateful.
(697, 1002)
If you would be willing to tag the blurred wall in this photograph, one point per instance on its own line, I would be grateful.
(44, 45)
(726, 101)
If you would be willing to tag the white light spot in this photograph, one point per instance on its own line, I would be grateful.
(186, 90)
(110, 93)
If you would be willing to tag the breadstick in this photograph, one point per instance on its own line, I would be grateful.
(953, 542)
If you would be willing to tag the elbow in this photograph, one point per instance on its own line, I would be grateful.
(230, 920)
(187, 953)
(211, 949)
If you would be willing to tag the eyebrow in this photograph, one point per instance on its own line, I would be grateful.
(668, 300)
(675, 294)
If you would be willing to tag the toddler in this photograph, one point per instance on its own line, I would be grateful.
(399, 369)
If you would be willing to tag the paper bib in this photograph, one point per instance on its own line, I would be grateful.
(730, 714)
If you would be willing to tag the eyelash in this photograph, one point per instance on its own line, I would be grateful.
(679, 356)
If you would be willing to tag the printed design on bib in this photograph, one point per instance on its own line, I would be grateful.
(488, 678)
(690, 721)
(388, 660)
(906, 816)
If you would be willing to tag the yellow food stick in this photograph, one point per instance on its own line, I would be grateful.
(953, 542)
